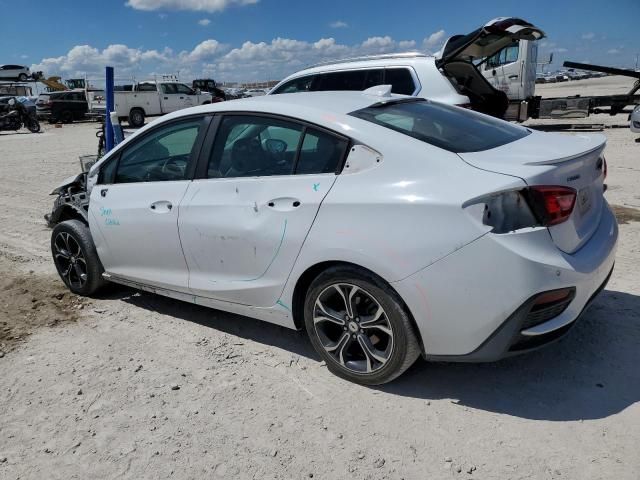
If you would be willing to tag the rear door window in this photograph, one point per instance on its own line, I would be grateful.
(302, 84)
(321, 152)
(401, 81)
(451, 128)
(348, 80)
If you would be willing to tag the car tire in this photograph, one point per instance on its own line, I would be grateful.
(373, 343)
(136, 118)
(33, 125)
(75, 257)
(66, 116)
(23, 77)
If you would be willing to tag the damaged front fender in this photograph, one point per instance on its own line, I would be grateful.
(72, 201)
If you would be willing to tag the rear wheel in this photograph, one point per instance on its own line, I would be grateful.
(359, 326)
(22, 77)
(75, 257)
(136, 118)
(66, 116)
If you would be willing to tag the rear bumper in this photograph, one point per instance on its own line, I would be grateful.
(471, 305)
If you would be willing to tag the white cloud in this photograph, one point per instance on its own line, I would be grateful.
(588, 36)
(203, 52)
(86, 59)
(338, 24)
(24, 56)
(204, 22)
(250, 61)
(561, 50)
(434, 40)
(193, 5)
(162, 16)
(613, 51)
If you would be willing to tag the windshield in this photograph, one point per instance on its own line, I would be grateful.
(451, 128)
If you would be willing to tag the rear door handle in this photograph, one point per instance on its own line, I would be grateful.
(103, 192)
(513, 77)
(284, 204)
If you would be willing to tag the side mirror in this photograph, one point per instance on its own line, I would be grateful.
(198, 91)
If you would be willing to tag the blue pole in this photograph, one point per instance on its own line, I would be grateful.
(108, 128)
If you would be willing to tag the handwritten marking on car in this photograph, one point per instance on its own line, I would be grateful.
(315, 187)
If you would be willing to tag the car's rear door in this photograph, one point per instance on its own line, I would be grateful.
(133, 212)
(243, 223)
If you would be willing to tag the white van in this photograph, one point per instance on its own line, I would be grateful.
(450, 76)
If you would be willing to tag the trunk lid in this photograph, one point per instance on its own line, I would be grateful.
(487, 40)
(556, 159)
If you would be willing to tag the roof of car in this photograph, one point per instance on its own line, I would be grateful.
(399, 59)
(316, 107)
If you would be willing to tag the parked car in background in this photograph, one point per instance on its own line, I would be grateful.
(152, 98)
(209, 85)
(376, 222)
(255, 92)
(43, 105)
(62, 107)
(450, 76)
(14, 72)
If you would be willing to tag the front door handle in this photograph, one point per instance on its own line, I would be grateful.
(166, 98)
(513, 77)
(161, 206)
(103, 192)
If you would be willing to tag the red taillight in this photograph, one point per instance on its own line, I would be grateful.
(553, 204)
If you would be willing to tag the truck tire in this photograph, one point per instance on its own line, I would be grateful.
(136, 117)
(66, 116)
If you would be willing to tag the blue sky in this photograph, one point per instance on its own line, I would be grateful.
(267, 39)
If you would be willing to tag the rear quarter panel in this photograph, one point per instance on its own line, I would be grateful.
(398, 215)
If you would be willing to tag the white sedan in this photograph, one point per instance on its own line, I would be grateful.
(386, 226)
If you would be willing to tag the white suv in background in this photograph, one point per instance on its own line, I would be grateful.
(450, 76)
(14, 72)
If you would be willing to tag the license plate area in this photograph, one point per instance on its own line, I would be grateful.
(584, 200)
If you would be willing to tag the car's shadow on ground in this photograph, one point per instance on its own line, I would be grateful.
(592, 373)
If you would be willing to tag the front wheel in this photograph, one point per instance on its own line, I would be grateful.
(22, 77)
(359, 326)
(33, 125)
(75, 257)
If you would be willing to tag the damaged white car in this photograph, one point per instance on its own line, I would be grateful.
(386, 226)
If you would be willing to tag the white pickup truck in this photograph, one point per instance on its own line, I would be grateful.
(150, 98)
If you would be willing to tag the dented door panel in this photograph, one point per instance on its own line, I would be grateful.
(241, 236)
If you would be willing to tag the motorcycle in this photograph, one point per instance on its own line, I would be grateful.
(16, 115)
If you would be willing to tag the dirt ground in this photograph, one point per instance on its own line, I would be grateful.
(136, 386)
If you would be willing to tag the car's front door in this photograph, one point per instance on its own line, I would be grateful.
(133, 212)
(243, 223)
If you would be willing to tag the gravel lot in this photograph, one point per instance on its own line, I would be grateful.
(132, 385)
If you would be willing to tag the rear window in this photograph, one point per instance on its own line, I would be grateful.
(451, 128)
